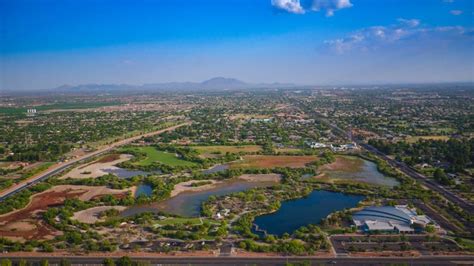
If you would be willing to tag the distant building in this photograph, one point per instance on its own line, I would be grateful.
(344, 147)
(316, 145)
(31, 112)
(398, 219)
(264, 120)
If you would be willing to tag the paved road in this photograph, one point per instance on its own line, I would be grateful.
(423, 179)
(61, 166)
(435, 260)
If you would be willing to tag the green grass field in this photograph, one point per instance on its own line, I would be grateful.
(218, 150)
(175, 221)
(154, 155)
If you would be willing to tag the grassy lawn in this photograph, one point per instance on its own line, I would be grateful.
(414, 139)
(154, 155)
(219, 150)
(175, 221)
(288, 150)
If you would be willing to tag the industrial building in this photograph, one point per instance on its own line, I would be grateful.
(397, 219)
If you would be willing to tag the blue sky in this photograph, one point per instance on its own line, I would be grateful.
(47, 43)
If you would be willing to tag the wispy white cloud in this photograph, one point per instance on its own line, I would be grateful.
(409, 22)
(330, 6)
(372, 38)
(456, 12)
(291, 6)
(301, 7)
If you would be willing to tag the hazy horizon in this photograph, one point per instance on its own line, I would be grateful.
(305, 42)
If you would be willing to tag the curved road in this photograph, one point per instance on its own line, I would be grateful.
(61, 166)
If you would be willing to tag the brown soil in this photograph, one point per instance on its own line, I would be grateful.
(109, 158)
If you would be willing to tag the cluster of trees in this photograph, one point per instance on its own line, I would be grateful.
(42, 151)
(458, 153)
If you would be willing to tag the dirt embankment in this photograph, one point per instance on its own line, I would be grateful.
(188, 187)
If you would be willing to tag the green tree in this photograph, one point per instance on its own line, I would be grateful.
(124, 261)
(6, 262)
(64, 262)
(109, 262)
(44, 262)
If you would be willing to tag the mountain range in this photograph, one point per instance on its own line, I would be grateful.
(214, 83)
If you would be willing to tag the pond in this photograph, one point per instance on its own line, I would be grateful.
(357, 169)
(126, 173)
(304, 211)
(215, 169)
(189, 203)
(143, 189)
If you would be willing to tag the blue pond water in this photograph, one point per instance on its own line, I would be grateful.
(126, 173)
(143, 189)
(215, 169)
(308, 210)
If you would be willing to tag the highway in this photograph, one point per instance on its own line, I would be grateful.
(62, 166)
(454, 198)
(156, 260)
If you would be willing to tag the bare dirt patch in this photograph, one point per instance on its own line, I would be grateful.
(187, 186)
(109, 158)
(96, 169)
(261, 177)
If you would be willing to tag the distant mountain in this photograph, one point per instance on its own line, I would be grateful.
(213, 83)
(224, 83)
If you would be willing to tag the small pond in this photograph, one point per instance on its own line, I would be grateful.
(308, 210)
(143, 189)
(215, 169)
(189, 203)
(357, 169)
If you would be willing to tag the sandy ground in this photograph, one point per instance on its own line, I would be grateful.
(90, 192)
(90, 216)
(186, 187)
(261, 177)
(96, 169)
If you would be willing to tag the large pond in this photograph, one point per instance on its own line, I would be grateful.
(189, 203)
(304, 211)
(357, 169)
